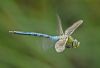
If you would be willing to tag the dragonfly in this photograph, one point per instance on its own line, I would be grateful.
(63, 40)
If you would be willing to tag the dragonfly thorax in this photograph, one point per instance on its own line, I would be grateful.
(72, 43)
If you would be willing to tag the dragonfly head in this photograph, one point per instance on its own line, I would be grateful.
(75, 44)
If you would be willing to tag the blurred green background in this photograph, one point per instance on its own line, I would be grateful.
(40, 16)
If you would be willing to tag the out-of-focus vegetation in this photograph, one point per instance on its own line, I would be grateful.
(40, 16)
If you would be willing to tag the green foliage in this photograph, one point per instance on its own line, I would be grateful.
(40, 16)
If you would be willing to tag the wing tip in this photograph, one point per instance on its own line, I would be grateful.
(81, 21)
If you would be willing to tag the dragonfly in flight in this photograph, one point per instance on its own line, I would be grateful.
(63, 40)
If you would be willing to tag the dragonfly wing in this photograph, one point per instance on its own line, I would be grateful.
(60, 45)
(71, 29)
(60, 30)
(47, 44)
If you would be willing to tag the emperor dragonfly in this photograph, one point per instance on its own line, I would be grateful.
(64, 40)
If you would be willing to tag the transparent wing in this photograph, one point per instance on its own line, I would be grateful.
(60, 30)
(60, 45)
(71, 29)
(47, 44)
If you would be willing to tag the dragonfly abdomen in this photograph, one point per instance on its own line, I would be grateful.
(30, 33)
(40, 35)
(53, 38)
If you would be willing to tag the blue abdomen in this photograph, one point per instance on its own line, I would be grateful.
(53, 38)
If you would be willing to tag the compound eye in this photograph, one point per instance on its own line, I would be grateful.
(75, 43)
(78, 44)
